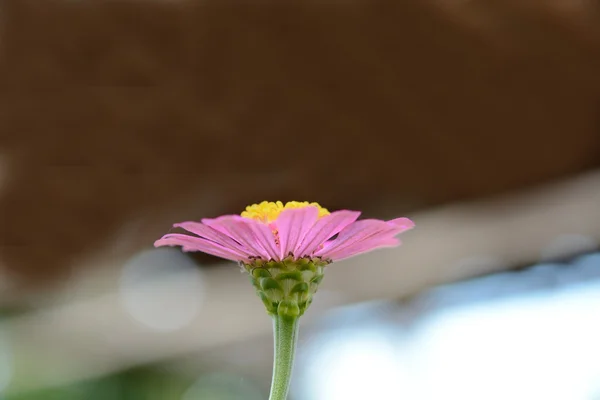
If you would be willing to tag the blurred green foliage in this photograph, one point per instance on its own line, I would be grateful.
(151, 384)
(146, 384)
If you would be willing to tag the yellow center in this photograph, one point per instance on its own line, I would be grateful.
(268, 211)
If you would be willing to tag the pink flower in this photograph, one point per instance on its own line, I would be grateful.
(273, 231)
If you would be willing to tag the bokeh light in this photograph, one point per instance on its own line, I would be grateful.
(355, 364)
(513, 335)
(162, 289)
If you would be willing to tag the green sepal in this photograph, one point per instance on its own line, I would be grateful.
(286, 288)
(300, 288)
(269, 284)
(261, 273)
(288, 309)
(294, 275)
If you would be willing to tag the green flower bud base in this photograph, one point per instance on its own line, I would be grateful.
(286, 288)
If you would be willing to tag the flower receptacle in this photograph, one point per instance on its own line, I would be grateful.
(286, 287)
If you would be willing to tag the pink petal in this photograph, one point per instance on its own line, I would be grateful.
(213, 235)
(366, 230)
(244, 231)
(265, 237)
(292, 226)
(190, 243)
(362, 248)
(403, 224)
(356, 232)
(217, 223)
(325, 229)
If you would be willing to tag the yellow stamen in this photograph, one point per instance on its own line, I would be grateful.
(268, 211)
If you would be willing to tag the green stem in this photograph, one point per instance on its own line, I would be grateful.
(285, 334)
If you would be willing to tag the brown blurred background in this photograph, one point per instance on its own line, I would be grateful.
(479, 119)
(119, 110)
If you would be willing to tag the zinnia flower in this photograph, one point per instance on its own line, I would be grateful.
(285, 249)
(296, 239)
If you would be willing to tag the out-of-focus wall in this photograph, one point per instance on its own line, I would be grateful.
(116, 111)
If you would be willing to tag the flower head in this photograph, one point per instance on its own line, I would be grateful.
(272, 231)
(285, 248)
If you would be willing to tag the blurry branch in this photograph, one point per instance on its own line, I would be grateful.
(87, 337)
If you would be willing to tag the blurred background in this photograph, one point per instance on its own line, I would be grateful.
(479, 120)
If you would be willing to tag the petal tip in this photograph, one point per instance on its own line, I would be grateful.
(402, 223)
(161, 243)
